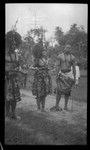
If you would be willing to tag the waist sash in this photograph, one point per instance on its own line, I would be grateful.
(65, 82)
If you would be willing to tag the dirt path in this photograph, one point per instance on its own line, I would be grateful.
(58, 128)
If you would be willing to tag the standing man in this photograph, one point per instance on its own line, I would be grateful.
(66, 77)
(42, 80)
(12, 91)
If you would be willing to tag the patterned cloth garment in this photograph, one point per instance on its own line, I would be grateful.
(42, 83)
(64, 83)
(12, 90)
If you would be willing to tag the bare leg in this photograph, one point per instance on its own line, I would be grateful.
(38, 103)
(66, 101)
(13, 108)
(58, 97)
(43, 103)
(7, 103)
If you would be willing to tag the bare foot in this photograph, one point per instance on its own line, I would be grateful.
(16, 117)
(65, 108)
(55, 108)
(43, 110)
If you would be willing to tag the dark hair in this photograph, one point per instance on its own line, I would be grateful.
(12, 41)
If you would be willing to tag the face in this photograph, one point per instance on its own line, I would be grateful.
(67, 50)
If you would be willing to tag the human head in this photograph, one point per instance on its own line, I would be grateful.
(67, 49)
(38, 50)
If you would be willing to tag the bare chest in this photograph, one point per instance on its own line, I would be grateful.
(65, 62)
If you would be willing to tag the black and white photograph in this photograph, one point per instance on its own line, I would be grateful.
(46, 48)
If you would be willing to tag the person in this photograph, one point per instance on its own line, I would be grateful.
(42, 81)
(12, 90)
(12, 93)
(66, 77)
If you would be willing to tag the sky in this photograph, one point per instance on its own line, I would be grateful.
(48, 15)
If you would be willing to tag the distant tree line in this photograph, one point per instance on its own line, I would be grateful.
(76, 37)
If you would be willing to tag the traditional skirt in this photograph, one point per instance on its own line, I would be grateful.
(41, 84)
(65, 81)
(12, 91)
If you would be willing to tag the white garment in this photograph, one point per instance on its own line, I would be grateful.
(77, 72)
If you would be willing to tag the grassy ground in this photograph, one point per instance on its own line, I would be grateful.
(50, 128)
(36, 129)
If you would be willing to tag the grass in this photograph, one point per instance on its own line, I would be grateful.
(36, 129)
(80, 92)
(41, 131)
